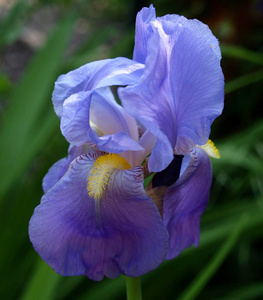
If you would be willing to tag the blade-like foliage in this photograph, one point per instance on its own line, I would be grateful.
(11, 25)
(28, 121)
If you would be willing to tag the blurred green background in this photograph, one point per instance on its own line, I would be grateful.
(39, 40)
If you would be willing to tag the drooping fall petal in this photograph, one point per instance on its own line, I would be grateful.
(121, 233)
(185, 201)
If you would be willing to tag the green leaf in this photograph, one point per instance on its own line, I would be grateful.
(242, 81)
(147, 180)
(107, 289)
(5, 84)
(205, 275)
(43, 283)
(11, 26)
(241, 53)
(247, 292)
(29, 120)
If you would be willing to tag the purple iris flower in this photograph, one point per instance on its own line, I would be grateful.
(95, 217)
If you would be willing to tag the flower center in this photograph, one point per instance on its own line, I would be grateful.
(101, 171)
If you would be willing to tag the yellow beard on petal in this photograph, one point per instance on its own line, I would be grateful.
(100, 172)
(211, 149)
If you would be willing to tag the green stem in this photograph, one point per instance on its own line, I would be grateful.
(133, 288)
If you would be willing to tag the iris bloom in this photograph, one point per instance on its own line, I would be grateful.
(95, 217)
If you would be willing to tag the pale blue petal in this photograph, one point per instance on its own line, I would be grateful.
(169, 23)
(185, 201)
(118, 71)
(116, 143)
(122, 233)
(75, 125)
(116, 130)
(142, 33)
(60, 167)
(182, 89)
(147, 142)
(150, 102)
(110, 117)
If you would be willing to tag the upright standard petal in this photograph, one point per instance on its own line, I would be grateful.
(142, 33)
(185, 201)
(95, 117)
(75, 122)
(200, 29)
(118, 71)
(110, 117)
(121, 233)
(149, 102)
(182, 89)
(199, 93)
